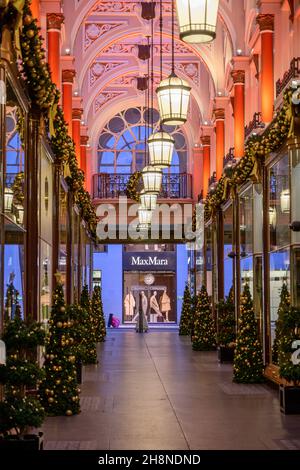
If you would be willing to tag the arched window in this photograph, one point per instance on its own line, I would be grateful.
(122, 142)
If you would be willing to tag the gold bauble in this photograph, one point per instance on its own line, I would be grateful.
(62, 309)
(69, 413)
(74, 398)
(59, 324)
(27, 20)
(30, 33)
(50, 400)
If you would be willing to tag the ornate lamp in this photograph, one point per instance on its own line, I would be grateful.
(148, 201)
(152, 178)
(145, 217)
(197, 20)
(173, 93)
(8, 199)
(161, 147)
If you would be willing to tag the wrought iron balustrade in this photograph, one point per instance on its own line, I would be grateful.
(229, 158)
(256, 123)
(112, 186)
(293, 72)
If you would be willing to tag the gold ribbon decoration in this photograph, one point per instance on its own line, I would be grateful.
(290, 116)
(52, 115)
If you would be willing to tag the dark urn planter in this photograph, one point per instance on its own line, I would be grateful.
(79, 371)
(289, 400)
(225, 354)
(27, 442)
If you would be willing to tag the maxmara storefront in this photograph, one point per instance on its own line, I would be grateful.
(147, 278)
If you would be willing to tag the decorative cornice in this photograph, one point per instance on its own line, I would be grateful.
(55, 20)
(68, 75)
(238, 76)
(205, 140)
(265, 22)
(84, 139)
(77, 113)
(219, 114)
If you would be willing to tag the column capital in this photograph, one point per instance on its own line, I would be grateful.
(205, 140)
(265, 22)
(68, 75)
(77, 113)
(54, 21)
(238, 77)
(84, 139)
(219, 114)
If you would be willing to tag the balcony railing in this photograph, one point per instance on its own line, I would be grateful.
(256, 123)
(229, 158)
(293, 72)
(174, 186)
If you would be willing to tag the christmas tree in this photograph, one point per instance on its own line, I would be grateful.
(204, 334)
(248, 361)
(89, 337)
(97, 309)
(186, 314)
(284, 306)
(226, 321)
(59, 391)
(289, 346)
(21, 373)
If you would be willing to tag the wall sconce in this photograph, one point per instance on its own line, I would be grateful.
(285, 201)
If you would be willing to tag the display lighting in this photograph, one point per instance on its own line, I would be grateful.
(161, 147)
(197, 20)
(152, 179)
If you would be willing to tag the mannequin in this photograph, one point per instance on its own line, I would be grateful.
(129, 304)
(154, 306)
(144, 305)
(165, 304)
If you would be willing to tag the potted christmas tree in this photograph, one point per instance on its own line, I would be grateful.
(89, 329)
(248, 364)
(186, 314)
(284, 306)
(204, 334)
(21, 410)
(98, 314)
(226, 329)
(59, 390)
(289, 361)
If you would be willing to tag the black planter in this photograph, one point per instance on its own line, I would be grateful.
(225, 354)
(27, 442)
(79, 371)
(289, 400)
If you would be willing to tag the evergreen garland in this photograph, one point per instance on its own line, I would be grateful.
(289, 345)
(59, 391)
(248, 364)
(204, 334)
(186, 314)
(98, 313)
(132, 191)
(284, 306)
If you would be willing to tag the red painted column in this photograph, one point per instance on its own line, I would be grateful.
(266, 25)
(83, 146)
(76, 123)
(197, 172)
(54, 22)
(35, 10)
(239, 112)
(220, 140)
(206, 163)
(67, 97)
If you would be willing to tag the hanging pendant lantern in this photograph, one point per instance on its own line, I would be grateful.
(173, 98)
(145, 217)
(161, 147)
(152, 178)
(197, 20)
(148, 201)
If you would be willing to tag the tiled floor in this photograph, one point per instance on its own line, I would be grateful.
(153, 392)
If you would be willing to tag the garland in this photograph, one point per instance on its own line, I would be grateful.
(256, 150)
(132, 186)
(17, 17)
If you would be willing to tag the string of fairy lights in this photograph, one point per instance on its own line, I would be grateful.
(197, 21)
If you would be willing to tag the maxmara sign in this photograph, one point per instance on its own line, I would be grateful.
(149, 261)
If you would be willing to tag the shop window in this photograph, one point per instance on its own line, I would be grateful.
(14, 169)
(13, 262)
(208, 259)
(149, 248)
(45, 281)
(228, 242)
(75, 256)
(63, 221)
(246, 223)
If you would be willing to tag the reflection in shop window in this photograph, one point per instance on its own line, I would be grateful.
(228, 240)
